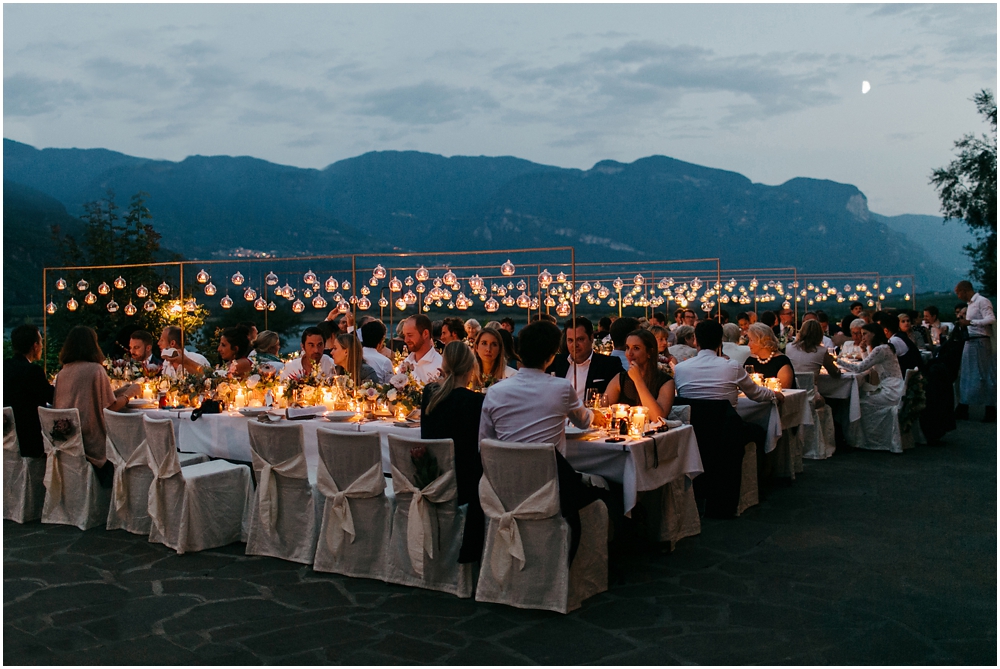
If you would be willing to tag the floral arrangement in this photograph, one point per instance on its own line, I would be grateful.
(129, 370)
(303, 387)
(189, 386)
(62, 429)
(426, 466)
(402, 390)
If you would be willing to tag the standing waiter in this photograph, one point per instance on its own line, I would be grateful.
(979, 363)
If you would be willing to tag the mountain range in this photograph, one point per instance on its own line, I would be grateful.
(655, 208)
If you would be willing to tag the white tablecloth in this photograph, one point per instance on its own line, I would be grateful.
(793, 412)
(844, 388)
(633, 463)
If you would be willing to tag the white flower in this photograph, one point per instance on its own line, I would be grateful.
(252, 381)
(223, 387)
(399, 381)
(221, 372)
(371, 393)
(164, 384)
(391, 395)
(208, 383)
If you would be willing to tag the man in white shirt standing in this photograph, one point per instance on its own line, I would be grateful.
(979, 361)
(423, 359)
(312, 354)
(373, 334)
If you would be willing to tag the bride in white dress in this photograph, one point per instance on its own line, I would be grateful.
(879, 404)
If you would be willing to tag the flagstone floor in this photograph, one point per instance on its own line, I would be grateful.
(868, 558)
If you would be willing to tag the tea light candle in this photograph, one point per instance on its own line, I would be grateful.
(241, 399)
(400, 414)
(621, 410)
(638, 420)
(147, 391)
(757, 378)
(328, 400)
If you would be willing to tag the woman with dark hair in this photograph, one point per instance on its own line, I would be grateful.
(645, 383)
(82, 384)
(234, 347)
(348, 355)
(878, 402)
(25, 388)
(450, 410)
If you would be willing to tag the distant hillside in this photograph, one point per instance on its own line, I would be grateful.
(944, 242)
(655, 208)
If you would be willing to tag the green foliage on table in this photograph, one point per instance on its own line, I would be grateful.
(967, 188)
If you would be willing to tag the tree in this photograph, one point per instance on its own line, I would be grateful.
(967, 188)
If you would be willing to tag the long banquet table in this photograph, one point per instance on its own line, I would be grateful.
(794, 411)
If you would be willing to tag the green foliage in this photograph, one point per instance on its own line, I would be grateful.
(967, 188)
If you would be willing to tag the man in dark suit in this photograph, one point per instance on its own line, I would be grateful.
(140, 348)
(592, 370)
(25, 388)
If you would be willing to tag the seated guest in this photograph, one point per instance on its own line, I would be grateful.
(937, 331)
(268, 345)
(884, 360)
(592, 370)
(662, 335)
(743, 321)
(507, 323)
(855, 313)
(140, 349)
(685, 346)
(786, 324)
(251, 330)
(373, 337)
(330, 331)
(25, 388)
(449, 410)
(731, 347)
(234, 350)
(532, 408)
(906, 350)
(620, 330)
(603, 330)
(472, 328)
(82, 384)
(659, 318)
(349, 358)
(766, 359)
(824, 321)
(312, 354)
(770, 319)
(491, 359)
(807, 353)
(645, 383)
(176, 359)
(423, 359)
(689, 318)
(814, 316)
(452, 329)
(909, 326)
(855, 347)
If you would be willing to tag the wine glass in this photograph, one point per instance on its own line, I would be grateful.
(593, 398)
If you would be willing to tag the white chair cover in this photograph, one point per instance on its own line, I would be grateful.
(283, 517)
(357, 515)
(427, 524)
(914, 435)
(198, 507)
(879, 429)
(526, 554)
(23, 488)
(72, 494)
(671, 511)
(818, 440)
(128, 450)
(681, 412)
(748, 485)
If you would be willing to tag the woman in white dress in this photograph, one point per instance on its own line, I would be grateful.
(879, 404)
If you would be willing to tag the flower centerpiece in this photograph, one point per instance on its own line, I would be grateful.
(189, 388)
(403, 390)
(306, 388)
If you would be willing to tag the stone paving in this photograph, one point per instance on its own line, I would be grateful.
(868, 558)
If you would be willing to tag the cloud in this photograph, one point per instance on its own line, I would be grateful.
(427, 103)
(27, 95)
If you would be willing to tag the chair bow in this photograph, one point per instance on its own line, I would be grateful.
(140, 456)
(507, 546)
(53, 479)
(267, 487)
(419, 536)
(369, 484)
(170, 466)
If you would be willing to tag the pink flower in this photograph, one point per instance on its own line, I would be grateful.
(418, 452)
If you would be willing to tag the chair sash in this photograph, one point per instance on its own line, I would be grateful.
(9, 431)
(369, 484)
(53, 479)
(267, 487)
(507, 546)
(170, 466)
(139, 457)
(419, 537)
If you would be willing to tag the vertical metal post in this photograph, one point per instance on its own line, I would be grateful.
(45, 321)
(181, 267)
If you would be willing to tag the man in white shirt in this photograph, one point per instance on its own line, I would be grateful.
(423, 359)
(373, 334)
(979, 361)
(312, 355)
(174, 358)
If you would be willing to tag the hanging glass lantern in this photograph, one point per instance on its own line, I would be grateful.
(331, 285)
(319, 302)
(563, 309)
(298, 306)
(130, 309)
(378, 272)
(364, 304)
(104, 289)
(210, 289)
(507, 269)
(476, 283)
(249, 294)
(82, 285)
(190, 305)
(395, 285)
(346, 285)
(408, 281)
(60, 284)
(523, 301)
(72, 305)
(271, 279)
(202, 277)
(307, 293)
(420, 288)
(410, 297)
(422, 274)
(309, 277)
(492, 305)
(383, 302)
(237, 279)
(90, 298)
(508, 301)
(585, 287)
(271, 306)
(50, 308)
(449, 278)
(550, 301)
(163, 289)
(372, 282)
(618, 284)
(401, 304)
(260, 304)
(149, 305)
(544, 278)
(226, 302)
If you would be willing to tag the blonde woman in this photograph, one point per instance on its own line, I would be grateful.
(766, 358)
(450, 410)
(490, 356)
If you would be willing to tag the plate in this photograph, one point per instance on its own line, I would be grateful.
(339, 416)
(253, 411)
(139, 402)
(573, 431)
(404, 423)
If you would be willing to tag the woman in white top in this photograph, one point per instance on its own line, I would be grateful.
(685, 347)
(884, 362)
(490, 358)
(807, 353)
